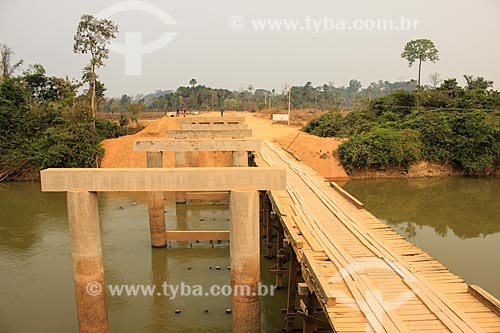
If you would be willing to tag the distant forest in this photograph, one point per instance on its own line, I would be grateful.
(199, 97)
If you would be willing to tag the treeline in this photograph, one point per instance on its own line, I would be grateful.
(449, 125)
(45, 123)
(200, 97)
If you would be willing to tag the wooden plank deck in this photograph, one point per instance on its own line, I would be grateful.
(366, 276)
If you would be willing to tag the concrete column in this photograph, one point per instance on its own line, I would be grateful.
(245, 260)
(193, 159)
(88, 270)
(240, 158)
(157, 226)
(180, 162)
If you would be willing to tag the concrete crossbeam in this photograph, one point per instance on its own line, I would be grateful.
(160, 145)
(162, 179)
(202, 235)
(210, 133)
(214, 126)
(211, 120)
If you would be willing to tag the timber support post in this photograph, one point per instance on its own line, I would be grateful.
(281, 256)
(268, 227)
(291, 311)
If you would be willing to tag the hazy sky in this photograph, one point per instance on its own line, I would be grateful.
(209, 47)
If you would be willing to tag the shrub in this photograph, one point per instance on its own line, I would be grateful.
(381, 148)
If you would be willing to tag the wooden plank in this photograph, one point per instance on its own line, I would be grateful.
(291, 153)
(485, 298)
(347, 195)
(322, 281)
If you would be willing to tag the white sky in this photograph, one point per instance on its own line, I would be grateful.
(465, 32)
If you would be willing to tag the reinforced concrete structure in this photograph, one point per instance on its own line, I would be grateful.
(81, 186)
(237, 127)
(211, 120)
(209, 133)
(154, 149)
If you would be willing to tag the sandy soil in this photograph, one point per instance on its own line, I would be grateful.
(314, 151)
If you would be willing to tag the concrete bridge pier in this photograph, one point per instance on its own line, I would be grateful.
(88, 270)
(245, 260)
(181, 161)
(240, 158)
(156, 207)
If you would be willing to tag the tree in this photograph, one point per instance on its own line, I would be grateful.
(477, 83)
(193, 97)
(94, 36)
(100, 89)
(435, 79)
(6, 68)
(420, 50)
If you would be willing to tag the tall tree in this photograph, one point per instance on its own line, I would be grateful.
(93, 36)
(420, 50)
(193, 83)
(6, 67)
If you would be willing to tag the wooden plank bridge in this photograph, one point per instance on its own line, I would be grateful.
(347, 271)
(362, 274)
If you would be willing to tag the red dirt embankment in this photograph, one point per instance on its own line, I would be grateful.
(314, 151)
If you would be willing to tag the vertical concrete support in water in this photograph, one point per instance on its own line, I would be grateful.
(240, 158)
(88, 270)
(245, 260)
(180, 162)
(157, 226)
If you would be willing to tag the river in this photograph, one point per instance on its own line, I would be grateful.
(454, 219)
(36, 280)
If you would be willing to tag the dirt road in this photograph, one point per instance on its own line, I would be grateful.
(314, 151)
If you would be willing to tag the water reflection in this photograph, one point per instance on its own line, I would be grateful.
(36, 280)
(467, 206)
(456, 220)
(23, 212)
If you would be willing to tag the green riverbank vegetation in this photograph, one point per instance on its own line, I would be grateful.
(450, 125)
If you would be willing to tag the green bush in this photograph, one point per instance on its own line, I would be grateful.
(477, 142)
(326, 125)
(434, 125)
(381, 148)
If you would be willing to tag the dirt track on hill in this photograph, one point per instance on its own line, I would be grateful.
(314, 151)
